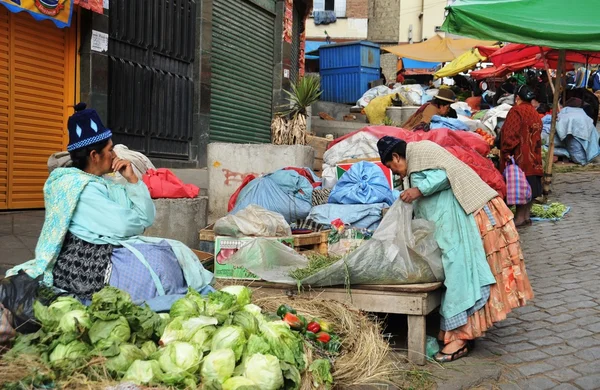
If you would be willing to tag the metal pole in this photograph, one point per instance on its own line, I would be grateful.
(557, 83)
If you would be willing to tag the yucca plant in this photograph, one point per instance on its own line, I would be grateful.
(304, 93)
(289, 125)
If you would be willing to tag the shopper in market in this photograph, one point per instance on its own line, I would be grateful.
(440, 105)
(92, 231)
(481, 253)
(521, 138)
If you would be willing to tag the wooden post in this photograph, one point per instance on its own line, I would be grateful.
(557, 85)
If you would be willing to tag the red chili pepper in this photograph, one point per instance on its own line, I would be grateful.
(314, 327)
(323, 337)
(293, 321)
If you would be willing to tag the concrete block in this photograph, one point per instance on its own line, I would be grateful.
(338, 129)
(229, 164)
(195, 176)
(180, 219)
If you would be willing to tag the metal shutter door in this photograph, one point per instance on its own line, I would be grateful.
(242, 72)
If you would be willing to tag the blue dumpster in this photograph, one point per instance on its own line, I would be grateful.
(346, 69)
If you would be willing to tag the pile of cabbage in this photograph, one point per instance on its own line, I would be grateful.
(221, 341)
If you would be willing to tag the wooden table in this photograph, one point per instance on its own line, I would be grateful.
(414, 300)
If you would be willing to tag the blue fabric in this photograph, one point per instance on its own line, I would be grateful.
(39, 16)
(447, 324)
(324, 17)
(596, 81)
(363, 183)
(163, 304)
(578, 131)
(85, 128)
(440, 122)
(129, 274)
(284, 192)
(463, 257)
(415, 64)
(367, 216)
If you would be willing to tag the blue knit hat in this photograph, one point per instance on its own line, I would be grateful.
(85, 128)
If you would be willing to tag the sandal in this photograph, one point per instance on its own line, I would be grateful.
(442, 357)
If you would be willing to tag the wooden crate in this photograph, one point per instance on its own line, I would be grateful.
(316, 242)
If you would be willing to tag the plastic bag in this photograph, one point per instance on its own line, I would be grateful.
(253, 221)
(17, 294)
(163, 183)
(269, 259)
(401, 251)
(518, 190)
(363, 183)
(432, 347)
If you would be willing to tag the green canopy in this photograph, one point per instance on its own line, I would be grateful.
(559, 24)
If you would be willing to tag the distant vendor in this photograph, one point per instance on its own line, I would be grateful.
(440, 105)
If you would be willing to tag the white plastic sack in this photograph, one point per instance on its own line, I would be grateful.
(253, 221)
(380, 90)
(361, 145)
(328, 177)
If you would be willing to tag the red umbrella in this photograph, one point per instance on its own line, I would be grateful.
(503, 70)
(516, 52)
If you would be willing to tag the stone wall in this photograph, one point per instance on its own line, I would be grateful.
(389, 63)
(384, 19)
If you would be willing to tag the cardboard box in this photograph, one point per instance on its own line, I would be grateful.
(225, 247)
(320, 146)
(344, 166)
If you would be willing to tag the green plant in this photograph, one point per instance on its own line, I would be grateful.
(304, 93)
(388, 121)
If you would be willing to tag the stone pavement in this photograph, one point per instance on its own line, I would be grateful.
(553, 343)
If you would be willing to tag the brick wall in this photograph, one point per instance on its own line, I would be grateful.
(357, 9)
(384, 18)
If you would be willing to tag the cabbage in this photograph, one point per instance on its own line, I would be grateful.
(110, 303)
(181, 329)
(202, 339)
(239, 383)
(246, 321)
(128, 353)
(229, 337)
(179, 357)
(284, 343)
(50, 316)
(242, 293)
(148, 348)
(220, 305)
(218, 366)
(185, 308)
(143, 372)
(74, 350)
(291, 376)
(265, 371)
(144, 323)
(257, 344)
(103, 334)
(253, 309)
(321, 373)
(74, 321)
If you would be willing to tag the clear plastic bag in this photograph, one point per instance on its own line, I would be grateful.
(253, 221)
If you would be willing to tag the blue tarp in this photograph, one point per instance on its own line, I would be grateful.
(365, 216)
(440, 122)
(414, 64)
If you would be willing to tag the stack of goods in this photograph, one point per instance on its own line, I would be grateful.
(222, 341)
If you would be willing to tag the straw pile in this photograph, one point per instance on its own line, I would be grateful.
(289, 131)
(365, 357)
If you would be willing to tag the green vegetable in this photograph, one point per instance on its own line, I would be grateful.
(321, 373)
(242, 293)
(202, 339)
(552, 211)
(185, 308)
(143, 372)
(239, 383)
(291, 376)
(257, 344)
(50, 316)
(218, 366)
(74, 321)
(229, 337)
(284, 309)
(284, 343)
(64, 353)
(220, 305)
(265, 371)
(103, 334)
(181, 329)
(179, 357)
(128, 354)
(246, 321)
(145, 324)
(148, 348)
(253, 309)
(110, 303)
(316, 262)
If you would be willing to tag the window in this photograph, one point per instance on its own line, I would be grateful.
(339, 6)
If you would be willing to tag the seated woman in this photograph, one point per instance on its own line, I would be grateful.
(481, 253)
(92, 231)
(440, 105)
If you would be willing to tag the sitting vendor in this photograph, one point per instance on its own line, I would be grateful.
(92, 231)
(440, 105)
